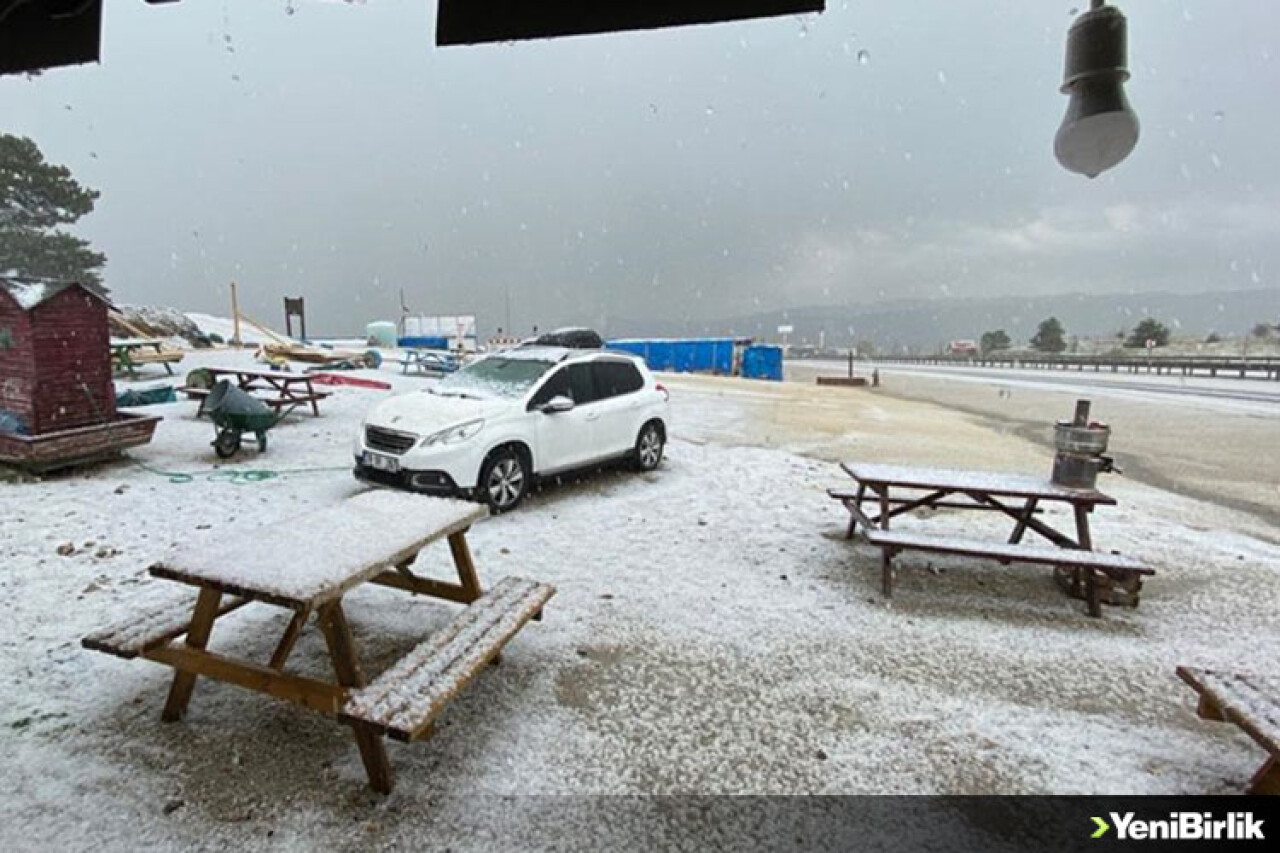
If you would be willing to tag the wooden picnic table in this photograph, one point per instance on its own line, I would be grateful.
(281, 387)
(900, 489)
(129, 353)
(307, 566)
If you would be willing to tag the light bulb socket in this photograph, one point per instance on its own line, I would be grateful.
(1097, 47)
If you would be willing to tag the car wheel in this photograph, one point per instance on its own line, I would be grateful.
(649, 446)
(503, 481)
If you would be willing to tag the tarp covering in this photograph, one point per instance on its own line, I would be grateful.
(762, 361)
(145, 396)
(423, 342)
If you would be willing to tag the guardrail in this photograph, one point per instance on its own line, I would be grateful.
(1263, 367)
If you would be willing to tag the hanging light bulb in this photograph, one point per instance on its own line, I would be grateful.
(1100, 129)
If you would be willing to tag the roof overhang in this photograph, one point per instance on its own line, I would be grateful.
(477, 21)
(39, 34)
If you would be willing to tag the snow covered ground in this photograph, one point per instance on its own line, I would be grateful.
(713, 633)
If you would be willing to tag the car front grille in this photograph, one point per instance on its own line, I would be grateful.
(388, 440)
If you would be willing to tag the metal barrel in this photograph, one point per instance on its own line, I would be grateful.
(1081, 439)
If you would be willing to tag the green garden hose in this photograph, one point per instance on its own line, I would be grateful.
(234, 476)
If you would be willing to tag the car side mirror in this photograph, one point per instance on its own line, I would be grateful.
(556, 405)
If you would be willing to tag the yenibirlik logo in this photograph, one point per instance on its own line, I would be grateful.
(1181, 826)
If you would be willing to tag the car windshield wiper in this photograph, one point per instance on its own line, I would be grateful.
(450, 392)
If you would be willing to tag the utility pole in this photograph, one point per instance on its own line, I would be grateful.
(235, 317)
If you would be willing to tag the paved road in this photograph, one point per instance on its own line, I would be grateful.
(1212, 439)
(1251, 395)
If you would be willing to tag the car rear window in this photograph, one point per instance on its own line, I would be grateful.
(614, 378)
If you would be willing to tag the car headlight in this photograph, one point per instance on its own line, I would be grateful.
(453, 435)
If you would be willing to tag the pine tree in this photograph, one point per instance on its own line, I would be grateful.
(1148, 330)
(1050, 337)
(36, 197)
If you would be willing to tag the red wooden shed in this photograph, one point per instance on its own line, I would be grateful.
(57, 403)
(55, 362)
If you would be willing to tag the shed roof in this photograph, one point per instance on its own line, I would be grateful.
(29, 291)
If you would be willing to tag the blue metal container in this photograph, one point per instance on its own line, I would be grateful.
(762, 361)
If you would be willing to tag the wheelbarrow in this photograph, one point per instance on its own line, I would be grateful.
(235, 412)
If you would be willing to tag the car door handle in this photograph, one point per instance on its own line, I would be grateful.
(591, 416)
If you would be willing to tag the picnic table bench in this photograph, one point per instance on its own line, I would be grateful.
(1249, 701)
(1083, 572)
(277, 388)
(130, 353)
(307, 566)
(433, 362)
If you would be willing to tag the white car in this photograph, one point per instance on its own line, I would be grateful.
(487, 430)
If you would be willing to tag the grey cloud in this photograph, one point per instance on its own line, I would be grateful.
(703, 172)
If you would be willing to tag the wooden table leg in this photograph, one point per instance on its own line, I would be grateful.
(285, 647)
(1082, 527)
(342, 651)
(1028, 510)
(886, 554)
(1086, 544)
(466, 568)
(853, 519)
(1267, 779)
(197, 638)
(1091, 590)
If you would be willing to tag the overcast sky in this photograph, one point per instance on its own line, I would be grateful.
(876, 151)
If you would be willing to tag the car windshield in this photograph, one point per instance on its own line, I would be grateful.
(496, 376)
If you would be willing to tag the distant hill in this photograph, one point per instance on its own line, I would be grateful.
(925, 324)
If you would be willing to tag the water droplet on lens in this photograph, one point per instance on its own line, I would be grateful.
(863, 57)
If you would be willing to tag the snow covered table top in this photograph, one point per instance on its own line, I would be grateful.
(314, 558)
(985, 482)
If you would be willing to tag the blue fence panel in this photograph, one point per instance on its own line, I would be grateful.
(762, 361)
(661, 355)
(693, 355)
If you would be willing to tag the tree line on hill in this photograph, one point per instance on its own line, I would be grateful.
(1150, 333)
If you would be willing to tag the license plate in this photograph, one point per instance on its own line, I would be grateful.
(381, 462)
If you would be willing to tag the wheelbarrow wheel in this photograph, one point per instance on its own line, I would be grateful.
(227, 443)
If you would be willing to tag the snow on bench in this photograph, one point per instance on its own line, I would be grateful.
(144, 631)
(144, 357)
(405, 699)
(1252, 702)
(1045, 554)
